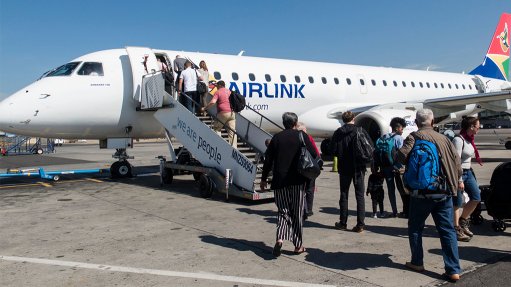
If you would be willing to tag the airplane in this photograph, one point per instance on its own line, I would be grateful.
(71, 102)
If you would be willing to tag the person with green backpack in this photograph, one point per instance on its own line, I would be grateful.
(384, 154)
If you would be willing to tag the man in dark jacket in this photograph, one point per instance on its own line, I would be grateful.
(342, 146)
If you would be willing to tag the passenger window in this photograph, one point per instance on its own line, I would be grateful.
(348, 80)
(442, 85)
(427, 84)
(436, 86)
(470, 86)
(463, 85)
(413, 84)
(395, 83)
(267, 78)
(91, 69)
(336, 81)
(323, 79)
(384, 83)
(362, 82)
(251, 77)
(311, 80)
(373, 82)
(64, 70)
(456, 85)
(235, 76)
(404, 83)
(420, 84)
(449, 86)
(282, 78)
(297, 79)
(217, 75)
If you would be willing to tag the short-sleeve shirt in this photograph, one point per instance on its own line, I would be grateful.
(189, 77)
(221, 97)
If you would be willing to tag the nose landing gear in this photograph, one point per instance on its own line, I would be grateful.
(121, 168)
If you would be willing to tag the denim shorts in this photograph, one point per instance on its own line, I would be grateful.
(471, 186)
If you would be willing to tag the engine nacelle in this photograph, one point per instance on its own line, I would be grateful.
(377, 122)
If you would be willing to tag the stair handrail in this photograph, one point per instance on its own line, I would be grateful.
(242, 137)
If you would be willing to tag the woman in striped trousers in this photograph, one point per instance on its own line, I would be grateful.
(288, 185)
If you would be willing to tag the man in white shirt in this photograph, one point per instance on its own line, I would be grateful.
(188, 84)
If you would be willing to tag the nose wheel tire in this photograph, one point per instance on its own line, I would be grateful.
(121, 169)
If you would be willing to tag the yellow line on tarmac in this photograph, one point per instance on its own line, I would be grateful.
(18, 185)
(94, 180)
(44, 184)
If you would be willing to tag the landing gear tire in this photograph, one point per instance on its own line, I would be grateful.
(121, 169)
(167, 176)
(205, 186)
(498, 225)
(508, 145)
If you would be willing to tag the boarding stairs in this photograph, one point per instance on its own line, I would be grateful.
(240, 166)
(22, 145)
(235, 170)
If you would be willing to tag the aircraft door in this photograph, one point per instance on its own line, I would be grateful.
(143, 62)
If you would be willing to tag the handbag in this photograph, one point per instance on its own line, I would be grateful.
(307, 165)
(201, 86)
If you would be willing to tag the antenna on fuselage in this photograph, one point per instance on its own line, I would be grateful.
(241, 53)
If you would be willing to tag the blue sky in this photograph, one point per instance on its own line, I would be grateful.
(452, 36)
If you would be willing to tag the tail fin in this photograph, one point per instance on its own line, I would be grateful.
(496, 63)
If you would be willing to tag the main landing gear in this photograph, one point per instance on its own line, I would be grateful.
(121, 168)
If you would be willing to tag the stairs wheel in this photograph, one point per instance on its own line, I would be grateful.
(168, 176)
(205, 186)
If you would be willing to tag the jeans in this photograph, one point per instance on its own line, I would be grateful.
(442, 212)
(471, 186)
(358, 181)
(188, 103)
(388, 172)
(310, 185)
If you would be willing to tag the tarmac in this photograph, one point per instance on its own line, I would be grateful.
(95, 231)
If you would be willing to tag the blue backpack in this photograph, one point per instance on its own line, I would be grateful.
(385, 150)
(423, 171)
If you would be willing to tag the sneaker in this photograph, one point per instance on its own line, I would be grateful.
(358, 229)
(416, 268)
(382, 214)
(340, 226)
(461, 235)
(464, 224)
(374, 215)
(402, 215)
(391, 215)
(310, 213)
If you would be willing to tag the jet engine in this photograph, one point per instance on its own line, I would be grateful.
(377, 122)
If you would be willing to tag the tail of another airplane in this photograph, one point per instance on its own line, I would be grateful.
(496, 63)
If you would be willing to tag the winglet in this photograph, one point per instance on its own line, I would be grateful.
(496, 63)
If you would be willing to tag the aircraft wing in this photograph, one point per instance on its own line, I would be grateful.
(483, 99)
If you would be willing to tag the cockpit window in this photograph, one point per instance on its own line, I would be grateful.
(91, 69)
(64, 70)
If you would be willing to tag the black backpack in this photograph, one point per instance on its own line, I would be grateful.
(237, 101)
(363, 148)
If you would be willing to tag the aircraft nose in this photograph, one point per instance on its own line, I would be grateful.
(5, 116)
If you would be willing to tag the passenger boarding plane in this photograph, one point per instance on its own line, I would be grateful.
(71, 102)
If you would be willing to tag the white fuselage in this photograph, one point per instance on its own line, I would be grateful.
(84, 106)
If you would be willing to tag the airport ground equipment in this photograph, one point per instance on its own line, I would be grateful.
(21, 145)
(49, 175)
(216, 164)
